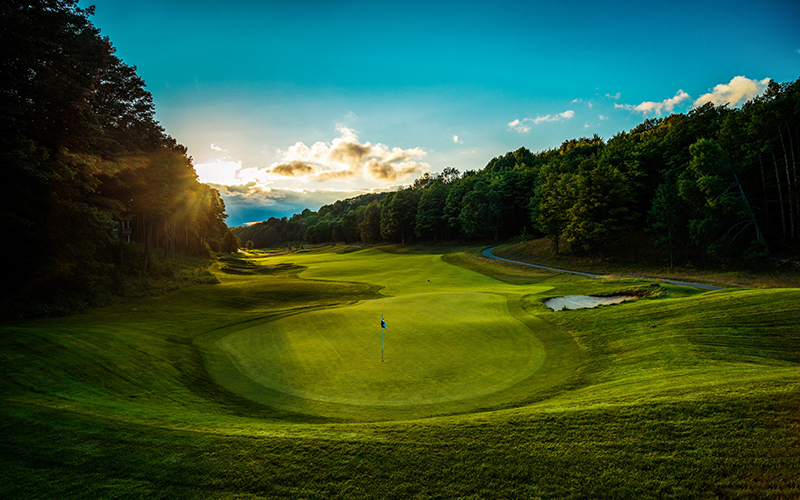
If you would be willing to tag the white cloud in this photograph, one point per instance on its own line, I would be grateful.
(346, 158)
(518, 126)
(566, 115)
(739, 90)
(577, 101)
(217, 148)
(602, 117)
(734, 93)
(524, 126)
(657, 108)
(456, 140)
(615, 96)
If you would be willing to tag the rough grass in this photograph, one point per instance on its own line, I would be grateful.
(684, 395)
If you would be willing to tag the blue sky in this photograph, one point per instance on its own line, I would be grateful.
(288, 105)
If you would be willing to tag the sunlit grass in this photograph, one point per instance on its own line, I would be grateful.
(682, 395)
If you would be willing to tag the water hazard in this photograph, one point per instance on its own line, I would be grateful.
(584, 301)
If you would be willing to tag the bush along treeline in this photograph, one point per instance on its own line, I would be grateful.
(717, 183)
(97, 191)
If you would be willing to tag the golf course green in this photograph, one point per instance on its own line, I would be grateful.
(456, 341)
(279, 382)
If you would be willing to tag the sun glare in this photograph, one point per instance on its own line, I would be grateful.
(224, 172)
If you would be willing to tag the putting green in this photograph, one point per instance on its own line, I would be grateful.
(456, 342)
(334, 355)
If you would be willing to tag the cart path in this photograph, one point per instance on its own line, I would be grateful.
(488, 253)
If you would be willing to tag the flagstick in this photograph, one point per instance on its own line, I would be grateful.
(382, 344)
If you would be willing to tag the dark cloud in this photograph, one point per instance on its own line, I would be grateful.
(392, 171)
(347, 158)
(293, 169)
(348, 152)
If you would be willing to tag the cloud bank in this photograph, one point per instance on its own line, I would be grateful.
(282, 189)
(524, 125)
(347, 158)
(657, 108)
(738, 91)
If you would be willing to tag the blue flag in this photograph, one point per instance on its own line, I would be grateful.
(383, 323)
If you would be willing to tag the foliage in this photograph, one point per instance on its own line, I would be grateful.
(714, 184)
(600, 210)
(399, 215)
(89, 164)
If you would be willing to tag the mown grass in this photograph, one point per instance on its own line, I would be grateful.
(684, 395)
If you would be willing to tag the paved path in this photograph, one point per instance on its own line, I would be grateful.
(488, 253)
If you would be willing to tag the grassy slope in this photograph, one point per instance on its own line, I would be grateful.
(684, 396)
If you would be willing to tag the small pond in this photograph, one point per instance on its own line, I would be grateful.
(584, 301)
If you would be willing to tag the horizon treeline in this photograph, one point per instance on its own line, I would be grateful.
(88, 165)
(716, 183)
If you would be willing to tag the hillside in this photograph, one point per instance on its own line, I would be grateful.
(683, 394)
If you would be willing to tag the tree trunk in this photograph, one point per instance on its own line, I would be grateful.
(671, 242)
(780, 193)
(759, 235)
(788, 187)
(148, 232)
(794, 167)
(173, 236)
(764, 186)
(121, 255)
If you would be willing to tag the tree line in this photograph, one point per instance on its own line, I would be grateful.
(715, 183)
(87, 165)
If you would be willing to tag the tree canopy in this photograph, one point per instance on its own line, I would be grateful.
(85, 157)
(714, 183)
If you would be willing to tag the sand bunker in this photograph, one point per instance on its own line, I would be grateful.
(584, 301)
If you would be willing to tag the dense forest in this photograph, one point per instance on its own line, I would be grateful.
(717, 183)
(97, 192)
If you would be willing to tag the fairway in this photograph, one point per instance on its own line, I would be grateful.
(270, 384)
(456, 341)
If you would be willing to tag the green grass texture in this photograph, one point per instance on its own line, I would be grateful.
(270, 384)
